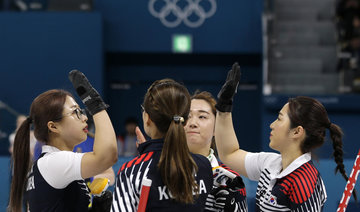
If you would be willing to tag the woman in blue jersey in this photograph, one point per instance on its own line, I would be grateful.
(229, 192)
(55, 181)
(181, 181)
(287, 181)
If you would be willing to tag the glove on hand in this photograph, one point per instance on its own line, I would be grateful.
(225, 196)
(88, 95)
(235, 184)
(224, 199)
(222, 176)
(228, 90)
(102, 203)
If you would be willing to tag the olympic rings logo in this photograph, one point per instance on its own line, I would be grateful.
(172, 15)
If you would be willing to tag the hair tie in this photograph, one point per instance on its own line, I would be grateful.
(178, 119)
(29, 119)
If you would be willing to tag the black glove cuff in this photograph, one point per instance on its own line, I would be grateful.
(102, 203)
(224, 106)
(96, 106)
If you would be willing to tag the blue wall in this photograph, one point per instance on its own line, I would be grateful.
(343, 110)
(37, 52)
(129, 26)
(128, 84)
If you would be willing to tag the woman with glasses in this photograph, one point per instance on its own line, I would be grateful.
(181, 181)
(55, 181)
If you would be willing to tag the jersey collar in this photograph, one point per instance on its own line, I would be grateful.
(49, 149)
(294, 165)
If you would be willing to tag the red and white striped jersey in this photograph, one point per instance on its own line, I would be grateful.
(297, 188)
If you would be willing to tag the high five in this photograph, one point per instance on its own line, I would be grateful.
(287, 181)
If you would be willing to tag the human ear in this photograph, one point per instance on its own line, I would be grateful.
(298, 132)
(52, 127)
(146, 119)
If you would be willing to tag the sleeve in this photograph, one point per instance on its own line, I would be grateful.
(127, 190)
(124, 194)
(59, 169)
(256, 162)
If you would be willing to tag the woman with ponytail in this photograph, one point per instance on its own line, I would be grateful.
(55, 181)
(288, 181)
(181, 181)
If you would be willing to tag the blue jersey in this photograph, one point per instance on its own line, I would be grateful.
(43, 197)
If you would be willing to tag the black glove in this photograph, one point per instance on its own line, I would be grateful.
(228, 90)
(235, 184)
(102, 203)
(224, 199)
(88, 95)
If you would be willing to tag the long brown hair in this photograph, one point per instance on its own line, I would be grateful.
(164, 100)
(312, 116)
(46, 107)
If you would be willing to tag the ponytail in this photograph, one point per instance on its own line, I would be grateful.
(336, 136)
(168, 105)
(44, 108)
(21, 164)
(176, 165)
(312, 116)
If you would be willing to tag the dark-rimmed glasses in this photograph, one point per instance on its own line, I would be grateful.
(78, 112)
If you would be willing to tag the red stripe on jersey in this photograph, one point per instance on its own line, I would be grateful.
(230, 170)
(312, 172)
(286, 185)
(122, 168)
(130, 163)
(137, 160)
(140, 159)
(312, 175)
(300, 184)
(148, 156)
(242, 191)
(307, 182)
(299, 190)
(292, 192)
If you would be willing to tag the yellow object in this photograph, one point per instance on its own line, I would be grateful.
(98, 186)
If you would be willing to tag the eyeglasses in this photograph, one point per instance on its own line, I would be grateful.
(78, 112)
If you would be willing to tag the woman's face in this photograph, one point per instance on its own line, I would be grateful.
(280, 130)
(200, 127)
(73, 126)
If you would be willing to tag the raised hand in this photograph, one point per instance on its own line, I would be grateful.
(140, 138)
(88, 95)
(228, 90)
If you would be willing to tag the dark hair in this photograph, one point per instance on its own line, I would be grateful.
(46, 107)
(164, 100)
(207, 97)
(312, 116)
